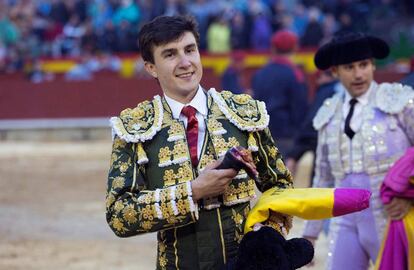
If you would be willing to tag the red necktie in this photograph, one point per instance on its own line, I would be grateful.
(192, 132)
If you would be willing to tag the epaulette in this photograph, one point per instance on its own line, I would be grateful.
(393, 97)
(242, 110)
(140, 123)
(326, 111)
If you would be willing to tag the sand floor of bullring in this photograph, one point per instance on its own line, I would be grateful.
(52, 210)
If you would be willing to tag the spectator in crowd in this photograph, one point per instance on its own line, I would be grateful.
(281, 84)
(9, 32)
(250, 23)
(89, 40)
(330, 27)
(126, 37)
(240, 30)
(346, 23)
(261, 30)
(107, 39)
(313, 33)
(361, 133)
(202, 10)
(73, 32)
(60, 12)
(2, 57)
(218, 35)
(300, 19)
(128, 12)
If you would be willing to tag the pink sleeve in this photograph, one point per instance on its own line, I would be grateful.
(398, 176)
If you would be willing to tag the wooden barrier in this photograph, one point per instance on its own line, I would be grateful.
(104, 96)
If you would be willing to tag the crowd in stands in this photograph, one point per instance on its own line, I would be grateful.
(30, 29)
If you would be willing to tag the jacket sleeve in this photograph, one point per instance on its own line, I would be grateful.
(272, 173)
(131, 209)
(269, 163)
(323, 179)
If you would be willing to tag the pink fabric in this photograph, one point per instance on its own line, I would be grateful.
(349, 200)
(396, 248)
(397, 184)
(397, 177)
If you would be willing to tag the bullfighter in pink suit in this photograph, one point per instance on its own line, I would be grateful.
(361, 133)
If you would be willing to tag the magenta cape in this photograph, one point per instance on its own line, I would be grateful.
(397, 250)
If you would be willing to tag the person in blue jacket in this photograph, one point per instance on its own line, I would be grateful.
(281, 85)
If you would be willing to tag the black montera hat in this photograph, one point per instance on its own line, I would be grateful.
(349, 47)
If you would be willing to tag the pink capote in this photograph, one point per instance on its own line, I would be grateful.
(397, 251)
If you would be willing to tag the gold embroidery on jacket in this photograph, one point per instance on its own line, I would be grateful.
(119, 206)
(162, 247)
(130, 214)
(272, 151)
(205, 160)
(118, 225)
(222, 146)
(180, 152)
(176, 131)
(169, 178)
(239, 191)
(164, 157)
(215, 127)
(185, 173)
(238, 222)
(182, 175)
(118, 182)
(280, 165)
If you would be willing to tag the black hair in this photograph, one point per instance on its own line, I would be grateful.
(162, 30)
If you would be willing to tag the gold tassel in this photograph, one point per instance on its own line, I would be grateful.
(252, 144)
(141, 155)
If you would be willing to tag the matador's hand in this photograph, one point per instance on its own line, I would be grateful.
(398, 208)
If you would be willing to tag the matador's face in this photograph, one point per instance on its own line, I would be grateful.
(177, 66)
(356, 76)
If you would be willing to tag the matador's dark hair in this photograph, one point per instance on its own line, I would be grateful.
(164, 29)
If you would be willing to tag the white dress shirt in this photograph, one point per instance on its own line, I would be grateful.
(199, 102)
(356, 120)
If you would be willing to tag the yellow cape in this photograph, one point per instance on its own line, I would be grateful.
(306, 203)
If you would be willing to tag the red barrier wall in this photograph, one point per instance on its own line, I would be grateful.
(106, 95)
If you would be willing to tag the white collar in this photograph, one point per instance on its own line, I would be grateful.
(199, 102)
(362, 99)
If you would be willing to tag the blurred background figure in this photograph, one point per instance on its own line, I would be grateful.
(261, 30)
(313, 32)
(232, 78)
(409, 79)
(218, 35)
(281, 85)
(307, 137)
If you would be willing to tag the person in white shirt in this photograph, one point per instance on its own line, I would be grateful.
(361, 133)
(163, 175)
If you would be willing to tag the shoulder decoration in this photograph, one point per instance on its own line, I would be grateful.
(326, 111)
(241, 110)
(393, 97)
(140, 123)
